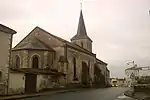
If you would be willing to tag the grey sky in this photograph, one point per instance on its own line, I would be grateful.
(120, 29)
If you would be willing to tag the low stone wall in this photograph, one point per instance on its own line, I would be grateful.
(138, 93)
(142, 88)
(16, 83)
(2, 88)
(13, 91)
(49, 83)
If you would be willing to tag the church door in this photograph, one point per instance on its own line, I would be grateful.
(30, 83)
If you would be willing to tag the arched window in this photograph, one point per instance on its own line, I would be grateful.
(17, 62)
(35, 62)
(0, 76)
(89, 66)
(82, 44)
(74, 67)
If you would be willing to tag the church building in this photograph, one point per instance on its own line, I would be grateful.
(44, 61)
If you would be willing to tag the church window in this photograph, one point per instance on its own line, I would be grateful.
(89, 65)
(0, 76)
(82, 44)
(74, 67)
(17, 62)
(35, 61)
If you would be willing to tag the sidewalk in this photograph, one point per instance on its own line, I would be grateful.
(38, 94)
(138, 95)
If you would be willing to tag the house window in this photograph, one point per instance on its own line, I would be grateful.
(17, 62)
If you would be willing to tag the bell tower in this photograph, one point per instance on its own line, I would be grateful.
(81, 38)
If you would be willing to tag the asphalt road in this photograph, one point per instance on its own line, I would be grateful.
(93, 94)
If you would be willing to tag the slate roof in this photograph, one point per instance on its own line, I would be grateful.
(7, 29)
(101, 62)
(33, 44)
(69, 44)
(81, 32)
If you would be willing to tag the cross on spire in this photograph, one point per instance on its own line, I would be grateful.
(81, 4)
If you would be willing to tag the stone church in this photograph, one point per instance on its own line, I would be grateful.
(44, 61)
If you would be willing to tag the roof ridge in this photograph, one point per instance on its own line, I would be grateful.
(26, 36)
(45, 44)
(53, 35)
(7, 29)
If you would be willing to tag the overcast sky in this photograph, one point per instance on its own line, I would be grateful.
(120, 29)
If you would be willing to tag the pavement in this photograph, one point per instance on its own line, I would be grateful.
(15, 97)
(123, 97)
(137, 95)
(75, 94)
(89, 94)
(141, 96)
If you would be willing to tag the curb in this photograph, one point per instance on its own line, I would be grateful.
(36, 95)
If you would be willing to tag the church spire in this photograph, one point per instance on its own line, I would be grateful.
(81, 26)
(81, 38)
(81, 32)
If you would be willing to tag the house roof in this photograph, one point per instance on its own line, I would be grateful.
(100, 61)
(81, 32)
(33, 44)
(7, 29)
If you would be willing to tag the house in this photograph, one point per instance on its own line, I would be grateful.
(6, 35)
(44, 61)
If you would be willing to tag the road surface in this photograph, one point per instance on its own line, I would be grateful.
(93, 94)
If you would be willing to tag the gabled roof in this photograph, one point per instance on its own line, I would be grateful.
(33, 44)
(7, 29)
(69, 44)
(81, 32)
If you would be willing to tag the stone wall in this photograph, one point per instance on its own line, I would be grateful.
(44, 82)
(80, 57)
(104, 72)
(85, 43)
(5, 42)
(16, 83)
(23, 55)
(49, 82)
(59, 51)
(45, 58)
